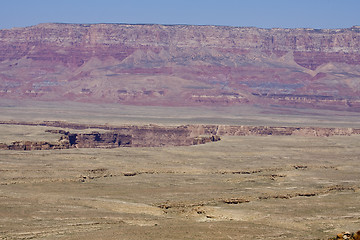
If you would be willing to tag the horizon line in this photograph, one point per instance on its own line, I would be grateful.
(181, 24)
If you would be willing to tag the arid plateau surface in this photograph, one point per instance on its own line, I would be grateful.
(159, 178)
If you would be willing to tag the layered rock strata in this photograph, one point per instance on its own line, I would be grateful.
(182, 65)
(159, 136)
(127, 136)
(73, 140)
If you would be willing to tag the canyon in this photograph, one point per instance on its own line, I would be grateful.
(132, 131)
(182, 65)
(155, 135)
(256, 182)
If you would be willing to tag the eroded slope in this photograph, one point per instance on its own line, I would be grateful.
(182, 65)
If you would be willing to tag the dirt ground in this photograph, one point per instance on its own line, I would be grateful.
(274, 187)
(238, 188)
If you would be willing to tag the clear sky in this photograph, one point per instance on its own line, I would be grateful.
(256, 13)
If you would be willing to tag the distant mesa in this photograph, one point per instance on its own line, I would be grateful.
(182, 65)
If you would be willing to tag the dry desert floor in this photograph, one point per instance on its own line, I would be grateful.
(251, 187)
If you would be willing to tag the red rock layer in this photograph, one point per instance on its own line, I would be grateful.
(182, 65)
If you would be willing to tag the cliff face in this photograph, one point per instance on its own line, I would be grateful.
(182, 65)
(158, 136)
(122, 136)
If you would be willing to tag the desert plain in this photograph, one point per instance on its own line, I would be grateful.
(242, 187)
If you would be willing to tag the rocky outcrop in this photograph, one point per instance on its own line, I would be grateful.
(206, 139)
(226, 130)
(158, 136)
(93, 139)
(347, 235)
(182, 65)
(125, 136)
(73, 140)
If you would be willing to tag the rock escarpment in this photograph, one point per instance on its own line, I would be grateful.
(123, 136)
(226, 130)
(93, 139)
(158, 136)
(182, 65)
(73, 140)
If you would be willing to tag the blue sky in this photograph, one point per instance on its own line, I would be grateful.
(257, 13)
